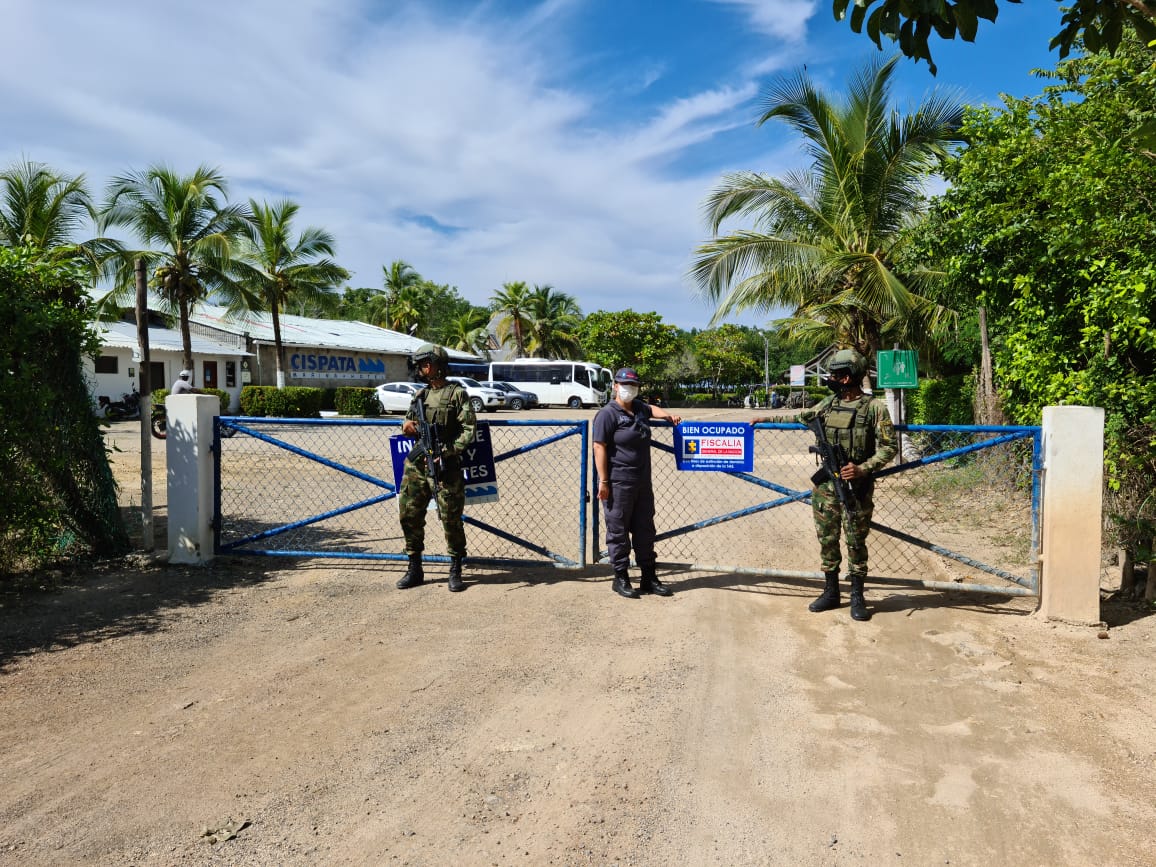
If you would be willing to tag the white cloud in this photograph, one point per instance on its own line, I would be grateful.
(370, 118)
(784, 19)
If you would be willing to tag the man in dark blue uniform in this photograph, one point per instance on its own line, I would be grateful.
(622, 458)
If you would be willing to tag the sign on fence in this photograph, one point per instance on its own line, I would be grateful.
(715, 446)
(477, 465)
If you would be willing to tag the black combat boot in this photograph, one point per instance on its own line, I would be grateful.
(622, 584)
(830, 596)
(456, 585)
(649, 583)
(414, 575)
(858, 603)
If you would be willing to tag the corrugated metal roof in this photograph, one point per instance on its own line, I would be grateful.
(320, 333)
(122, 335)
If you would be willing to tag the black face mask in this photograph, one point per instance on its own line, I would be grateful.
(835, 385)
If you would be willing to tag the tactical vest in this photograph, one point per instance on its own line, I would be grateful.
(441, 410)
(848, 424)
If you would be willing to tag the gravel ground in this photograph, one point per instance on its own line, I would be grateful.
(260, 712)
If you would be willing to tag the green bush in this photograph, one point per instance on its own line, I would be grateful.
(291, 402)
(941, 401)
(357, 401)
(159, 395)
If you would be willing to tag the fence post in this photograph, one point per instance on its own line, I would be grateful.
(1073, 443)
(190, 476)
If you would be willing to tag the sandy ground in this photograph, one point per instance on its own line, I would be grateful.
(310, 713)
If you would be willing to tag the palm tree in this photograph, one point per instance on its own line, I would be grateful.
(278, 271)
(553, 316)
(826, 241)
(511, 304)
(44, 209)
(468, 332)
(397, 306)
(190, 235)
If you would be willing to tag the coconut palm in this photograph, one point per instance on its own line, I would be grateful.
(553, 316)
(825, 241)
(46, 210)
(512, 305)
(397, 307)
(468, 332)
(277, 270)
(190, 236)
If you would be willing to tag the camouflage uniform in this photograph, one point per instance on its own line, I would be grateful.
(863, 427)
(449, 408)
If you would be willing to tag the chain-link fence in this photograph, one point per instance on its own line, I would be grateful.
(961, 509)
(325, 488)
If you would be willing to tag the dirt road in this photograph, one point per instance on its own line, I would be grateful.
(328, 718)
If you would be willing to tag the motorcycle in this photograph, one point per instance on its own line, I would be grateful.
(160, 423)
(127, 408)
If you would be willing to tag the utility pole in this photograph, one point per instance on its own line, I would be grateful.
(146, 405)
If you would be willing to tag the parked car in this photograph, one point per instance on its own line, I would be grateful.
(396, 396)
(481, 398)
(515, 397)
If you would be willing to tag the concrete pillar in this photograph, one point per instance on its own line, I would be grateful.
(1073, 496)
(190, 476)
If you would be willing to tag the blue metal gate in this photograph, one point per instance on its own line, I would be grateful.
(961, 508)
(325, 488)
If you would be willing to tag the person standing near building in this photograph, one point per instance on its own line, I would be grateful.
(862, 426)
(184, 384)
(622, 458)
(447, 408)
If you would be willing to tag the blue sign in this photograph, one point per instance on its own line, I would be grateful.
(477, 465)
(718, 446)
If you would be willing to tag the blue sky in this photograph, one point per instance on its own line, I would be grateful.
(566, 142)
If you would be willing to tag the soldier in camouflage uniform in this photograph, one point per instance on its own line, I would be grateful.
(448, 407)
(862, 426)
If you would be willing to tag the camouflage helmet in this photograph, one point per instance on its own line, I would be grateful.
(430, 352)
(848, 361)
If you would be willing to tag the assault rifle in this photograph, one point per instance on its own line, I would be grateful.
(832, 457)
(429, 444)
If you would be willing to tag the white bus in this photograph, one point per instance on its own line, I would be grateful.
(557, 383)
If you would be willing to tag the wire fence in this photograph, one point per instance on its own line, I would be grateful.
(962, 508)
(325, 488)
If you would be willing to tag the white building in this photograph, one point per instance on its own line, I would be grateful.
(216, 363)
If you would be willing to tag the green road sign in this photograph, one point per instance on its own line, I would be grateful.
(896, 368)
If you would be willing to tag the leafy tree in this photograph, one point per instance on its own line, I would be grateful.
(625, 338)
(398, 307)
(45, 210)
(280, 270)
(512, 306)
(826, 242)
(1096, 23)
(353, 304)
(553, 316)
(1059, 250)
(724, 356)
(444, 307)
(468, 332)
(191, 236)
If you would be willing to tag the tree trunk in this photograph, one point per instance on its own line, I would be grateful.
(278, 350)
(186, 338)
(987, 409)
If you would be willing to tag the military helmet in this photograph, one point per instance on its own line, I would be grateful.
(430, 352)
(848, 361)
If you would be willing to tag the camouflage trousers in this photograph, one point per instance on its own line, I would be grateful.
(413, 502)
(830, 520)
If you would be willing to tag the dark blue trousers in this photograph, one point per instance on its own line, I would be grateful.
(630, 519)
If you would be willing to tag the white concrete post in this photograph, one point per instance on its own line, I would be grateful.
(190, 476)
(1072, 513)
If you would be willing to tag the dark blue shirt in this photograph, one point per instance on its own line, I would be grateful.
(626, 438)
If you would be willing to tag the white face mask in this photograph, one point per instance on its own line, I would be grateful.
(627, 393)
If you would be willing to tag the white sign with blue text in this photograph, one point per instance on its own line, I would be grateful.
(718, 446)
(477, 465)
